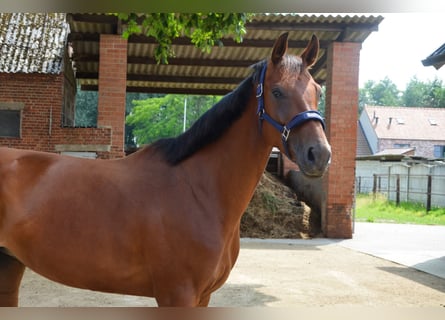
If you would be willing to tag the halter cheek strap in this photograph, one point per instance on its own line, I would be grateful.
(299, 119)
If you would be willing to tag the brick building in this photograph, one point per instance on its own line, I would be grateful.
(403, 130)
(38, 87)
(41, 100)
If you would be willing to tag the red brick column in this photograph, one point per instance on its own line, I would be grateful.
(341, 115)
(112, 90)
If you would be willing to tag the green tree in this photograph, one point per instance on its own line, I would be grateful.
(322, 102)
(382, 93)
(205, 30)
(424, 94)
(86, 108)
(156, 118)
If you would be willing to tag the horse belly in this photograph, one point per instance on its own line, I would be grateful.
(98, 271)
(89, 256)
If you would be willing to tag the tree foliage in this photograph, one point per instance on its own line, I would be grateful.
(163, 117)
(424, 94)
(417, 94)
(86, 109)
(322, 102)
(205, 30)
(383, 93)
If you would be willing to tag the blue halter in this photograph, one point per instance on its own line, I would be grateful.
(285, 130)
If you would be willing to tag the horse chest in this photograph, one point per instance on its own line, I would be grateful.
(228, 259)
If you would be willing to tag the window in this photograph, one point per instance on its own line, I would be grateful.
(401, 145)
(68, 107)
(432, 122)
(10, 119)
(439, 151)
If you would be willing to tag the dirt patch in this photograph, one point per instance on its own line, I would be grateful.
(275, 212)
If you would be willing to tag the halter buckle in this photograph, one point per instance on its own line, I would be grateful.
(285, 133)
(259, 90)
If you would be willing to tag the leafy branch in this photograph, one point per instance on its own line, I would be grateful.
(205, 30)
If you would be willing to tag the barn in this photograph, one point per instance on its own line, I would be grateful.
(37, 95)
(38, 88)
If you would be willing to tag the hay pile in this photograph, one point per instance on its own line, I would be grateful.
(275, 212)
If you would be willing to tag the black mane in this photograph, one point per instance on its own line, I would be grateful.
(211, 125)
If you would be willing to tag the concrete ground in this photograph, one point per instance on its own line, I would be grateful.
(418, 246)
(384, 265)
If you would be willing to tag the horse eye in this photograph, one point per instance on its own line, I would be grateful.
(277, 93)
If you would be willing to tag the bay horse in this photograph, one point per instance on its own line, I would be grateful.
(164, 221)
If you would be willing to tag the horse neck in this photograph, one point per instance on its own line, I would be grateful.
(232, 166)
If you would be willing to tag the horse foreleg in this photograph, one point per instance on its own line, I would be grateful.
(183, 301)
(204, 302)
(11, 273)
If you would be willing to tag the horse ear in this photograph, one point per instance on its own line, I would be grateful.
(279, 48)
(310, 54)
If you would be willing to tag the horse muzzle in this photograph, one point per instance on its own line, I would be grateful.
(313, 158)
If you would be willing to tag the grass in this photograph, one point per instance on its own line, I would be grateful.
(381, 210)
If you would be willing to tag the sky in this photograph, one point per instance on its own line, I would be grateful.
(397, 49)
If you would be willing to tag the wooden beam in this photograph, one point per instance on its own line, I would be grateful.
(83, 36)
(203, 91)
(92, 18)
(165, 78)
(174, 61)
(184, 41)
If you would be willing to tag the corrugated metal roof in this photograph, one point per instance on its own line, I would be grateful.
(191, 70)
(407, 123)
(32, 42)
(436, 59)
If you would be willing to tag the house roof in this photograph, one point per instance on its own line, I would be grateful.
(194, 72)
(405, 123)
(394, 151)
(436, 59)
(32, 42)
(363, 148)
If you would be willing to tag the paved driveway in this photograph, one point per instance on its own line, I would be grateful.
(369, 270)
(418, 246)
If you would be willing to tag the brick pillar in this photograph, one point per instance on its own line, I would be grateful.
(341, 115)
(112, 90)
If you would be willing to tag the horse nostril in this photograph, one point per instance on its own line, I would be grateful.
(310, 154)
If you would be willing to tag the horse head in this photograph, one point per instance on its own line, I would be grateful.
(287, 99)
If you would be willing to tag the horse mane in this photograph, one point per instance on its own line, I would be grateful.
(211, 125)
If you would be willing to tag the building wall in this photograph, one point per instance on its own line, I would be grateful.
(48, 112)
(423, 148)
(41, 122)
(341, 115)
(41, 96)
(112, 90)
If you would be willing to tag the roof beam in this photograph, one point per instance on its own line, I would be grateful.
(184, 41)
(190, 91)
(92, 18)
(175, 61)
(165, 78)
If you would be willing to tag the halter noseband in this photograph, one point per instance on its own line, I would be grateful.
(299, 119)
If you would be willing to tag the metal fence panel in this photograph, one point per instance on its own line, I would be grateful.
(420, 183)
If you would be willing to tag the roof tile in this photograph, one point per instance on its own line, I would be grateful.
(32, 42)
